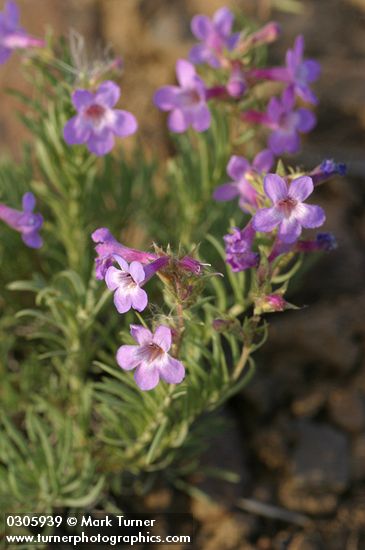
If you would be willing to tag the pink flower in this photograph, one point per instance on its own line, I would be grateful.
(150, 358)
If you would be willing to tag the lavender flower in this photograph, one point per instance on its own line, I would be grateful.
(126, 282)
(288, 210)
(215, 36)
(26, 222)
(323, 242)
(239, 254)
(96, 122)
(12, 36)
(107, 247)
(242, 173)
(186, 102)
(284, 121)
(298, 73)
(150, 358)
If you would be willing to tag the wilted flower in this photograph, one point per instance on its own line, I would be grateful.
(215, 35)
(26, 222)
(288, 210)
(186, 102)
(242, 173)
(12, 36)
(284, 122)
(150, 358)
(239, 254)
(96, 122)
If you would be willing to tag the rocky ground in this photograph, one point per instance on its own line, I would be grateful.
(297, 434)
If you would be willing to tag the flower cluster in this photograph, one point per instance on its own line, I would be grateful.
(135, 269)
(228, 52)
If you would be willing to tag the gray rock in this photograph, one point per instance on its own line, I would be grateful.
(319, 470)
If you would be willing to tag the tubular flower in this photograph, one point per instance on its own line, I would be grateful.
(241, 172)
(239, 254)
(298, 73)
(187, 102)
(285, 123)
(25, 221)
(12, 36)
(326, 170)
(215, 36)
(288, 211)
(96, 122)
(150, 358)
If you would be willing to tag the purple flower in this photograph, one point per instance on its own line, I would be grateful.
(302, 72)
(288, 212)
(239, 254)
(215, 35)
(12, 36)
(107, 247)
(96, 122)
(323, 242)
(242, 173)
(236, 85)
(326, 170)
(26, 222)
(298, 73)
(186, 102)
(126, 282)
(285, 122)
(150, 358)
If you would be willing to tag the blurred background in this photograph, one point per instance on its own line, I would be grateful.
(297, 434)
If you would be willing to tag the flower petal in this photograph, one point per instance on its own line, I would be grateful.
(312, 70)
(112, 278)
(101, 144)
(147, 376)
(306, 120)
(172, 371)
(141, 334)
(289, 230)
(82, 98)
(33, 240)
(28, 202)
(121, 262)
(122, 300)
(200, 53)
(125, 124)
(162, 337)
(301, 188)
(11, 14)
(178, 121)
(137, 272)
(284, 142)
(226, 192)
(266, 219)
(185, 72)
(139, 298)
(275, 187)
(108, 93)
(74, 132)
(263, 161)
(128, 357)
(201, 26)
(223, 21)
(237, 167)
(310, 215)
(167, 98)
(202, 118)
(5, 53)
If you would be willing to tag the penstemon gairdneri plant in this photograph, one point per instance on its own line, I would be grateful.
(109, 372)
